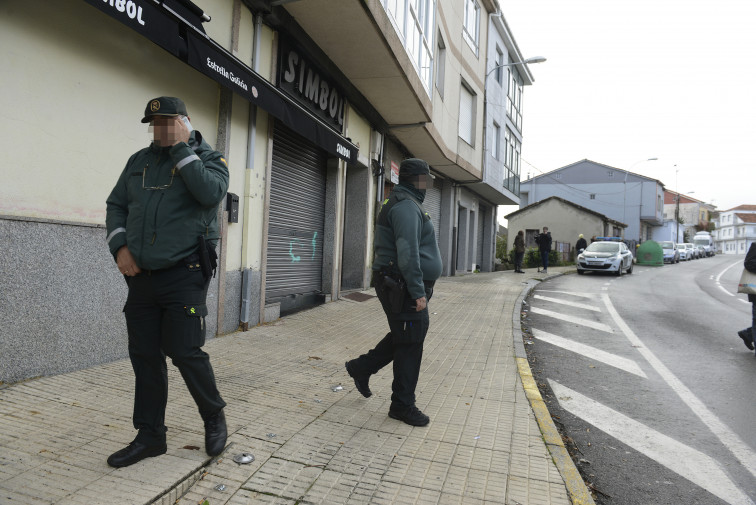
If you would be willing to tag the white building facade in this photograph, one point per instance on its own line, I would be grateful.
(735, 230)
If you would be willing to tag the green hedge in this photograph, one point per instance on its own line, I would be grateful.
(532, 258)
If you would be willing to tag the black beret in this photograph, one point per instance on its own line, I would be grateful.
(413, 166)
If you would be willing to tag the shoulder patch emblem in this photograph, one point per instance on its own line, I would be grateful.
(155, 105)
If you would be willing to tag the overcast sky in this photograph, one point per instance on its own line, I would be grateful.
(625, 81)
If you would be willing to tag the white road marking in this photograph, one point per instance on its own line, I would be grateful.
(722, 273)
(572, 319)
(572, 293)
(567, 302)
(625, 364)
(735, 445)
(604, 289)
(725, 291)
(694, 465)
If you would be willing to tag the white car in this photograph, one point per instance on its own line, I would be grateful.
(684, 252)
(605, 257)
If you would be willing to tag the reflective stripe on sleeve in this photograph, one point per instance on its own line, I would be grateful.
(186, 160)
(114, 233)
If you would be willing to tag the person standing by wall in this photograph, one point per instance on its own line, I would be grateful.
(519, 248)
(544, 246)
(406, 265)
(580, 244)
(750, 265)
(162, 228)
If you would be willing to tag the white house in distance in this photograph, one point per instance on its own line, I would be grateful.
(735, 230)
(696, 215)
(616, 193)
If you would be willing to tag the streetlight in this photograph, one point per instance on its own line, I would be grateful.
(534, 59)
(624, 190)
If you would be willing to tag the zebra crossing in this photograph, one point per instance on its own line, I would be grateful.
(588, 326)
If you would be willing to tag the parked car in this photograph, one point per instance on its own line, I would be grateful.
(701, 250)
(684, 253)
(603, 256)
(671, 254)
(692, 251)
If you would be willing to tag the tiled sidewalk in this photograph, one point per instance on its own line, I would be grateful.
(311, 444)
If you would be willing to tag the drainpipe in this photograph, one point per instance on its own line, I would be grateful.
(252, 129)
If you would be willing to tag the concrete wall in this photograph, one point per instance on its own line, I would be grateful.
(565, 222)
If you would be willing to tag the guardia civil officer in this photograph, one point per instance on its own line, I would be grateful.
(162, 230)
(406, 265)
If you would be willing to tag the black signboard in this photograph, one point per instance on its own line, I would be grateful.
(161, 26)
(215, 62)
(309, 84)
(145, 17)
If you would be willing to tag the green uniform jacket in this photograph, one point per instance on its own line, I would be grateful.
(406, 237)
(162, 226)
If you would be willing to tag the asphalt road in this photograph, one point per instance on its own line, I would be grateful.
(649, 382)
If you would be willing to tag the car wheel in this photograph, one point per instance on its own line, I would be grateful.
(581, 272)
(630, 270)
(618, 273)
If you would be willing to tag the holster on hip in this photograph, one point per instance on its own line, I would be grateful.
(394, 287)
(208, 258)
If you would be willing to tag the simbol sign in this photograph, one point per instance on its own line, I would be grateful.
(199, 51)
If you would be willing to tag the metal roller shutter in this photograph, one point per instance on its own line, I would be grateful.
(482, 213)
(432, 205)
(296, 216)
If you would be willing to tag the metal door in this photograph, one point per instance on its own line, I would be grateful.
(296, 216)
(482, 215)
(432, 205)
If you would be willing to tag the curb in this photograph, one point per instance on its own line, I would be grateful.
(576, 488)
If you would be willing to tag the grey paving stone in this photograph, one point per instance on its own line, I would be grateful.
(285, 479)
(483, 445)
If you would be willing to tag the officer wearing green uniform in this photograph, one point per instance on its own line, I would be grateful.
(162, 228)
(406, 265)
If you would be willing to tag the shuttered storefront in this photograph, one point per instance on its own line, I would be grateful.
(482, 213)
(432, 205)
(296, 217)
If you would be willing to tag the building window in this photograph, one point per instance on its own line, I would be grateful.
(414, 21)
(496, 144)
(499, 62)
(467, 114)
(610, 173)
(440, 65)
(397, 9)
(512, 148)
(472, 21)
(593, 196)
(558, 175)
(514, 98)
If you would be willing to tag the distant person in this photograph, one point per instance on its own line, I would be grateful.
(580, 244)
(750, 265)
(544, 245)
(519, 248)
